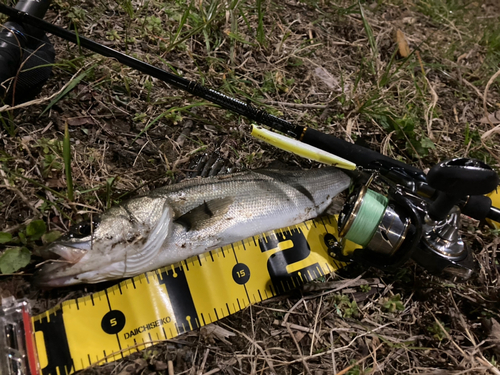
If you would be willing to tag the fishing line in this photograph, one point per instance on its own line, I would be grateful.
(366, 217)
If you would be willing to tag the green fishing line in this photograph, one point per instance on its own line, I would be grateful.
(368, 218)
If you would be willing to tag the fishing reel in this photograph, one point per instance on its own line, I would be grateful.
(407, 223)
(417, 217)
(22, 45)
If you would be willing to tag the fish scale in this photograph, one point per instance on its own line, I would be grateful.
(186, 219)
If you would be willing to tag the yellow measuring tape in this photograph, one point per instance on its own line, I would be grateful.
(162, 304)
(495, 201)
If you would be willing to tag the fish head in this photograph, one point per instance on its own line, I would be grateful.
(121, 242)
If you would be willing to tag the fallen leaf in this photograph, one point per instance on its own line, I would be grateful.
(79, 121)
(327, 78)
(494, 118)
(299, 335)
(213, 330)
(494, 336)
(495, 331)
(404, 49)
(134, 368)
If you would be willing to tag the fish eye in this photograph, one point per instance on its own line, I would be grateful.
(84, 229)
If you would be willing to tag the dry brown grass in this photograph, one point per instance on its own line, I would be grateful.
(316, 66)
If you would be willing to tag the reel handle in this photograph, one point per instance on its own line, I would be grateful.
(456, 179)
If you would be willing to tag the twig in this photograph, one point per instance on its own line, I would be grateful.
(16, 78)
(488, 149)
(339, 349)
(303, 360)
(6, 107)
(490, 132)
(213, 371)
(203, 362)
(344, 371)
(16, 227)
(476, 90)
(487, 364)
(264, 354)
(485, 95)
(334, 364)
(19, 193)
(448, 335)
(254, 362)
(315, 324)
(480, 358)
(428, 112)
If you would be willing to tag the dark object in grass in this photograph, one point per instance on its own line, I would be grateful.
(26, 56)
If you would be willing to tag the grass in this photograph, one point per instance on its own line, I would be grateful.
(67, 163)
(130, 133)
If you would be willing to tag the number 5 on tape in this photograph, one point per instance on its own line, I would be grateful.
(159, 305)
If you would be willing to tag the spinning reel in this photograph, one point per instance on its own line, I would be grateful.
(417, 217)
(410, 223)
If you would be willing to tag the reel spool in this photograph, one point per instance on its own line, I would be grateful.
(371, 221)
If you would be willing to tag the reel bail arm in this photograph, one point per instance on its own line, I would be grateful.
(391, 230)
(394, 226)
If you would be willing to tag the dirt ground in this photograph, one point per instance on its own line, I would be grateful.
(324, 64)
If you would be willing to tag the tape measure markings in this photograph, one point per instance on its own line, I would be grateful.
(112, 315)
(243, 272)
(176, 299)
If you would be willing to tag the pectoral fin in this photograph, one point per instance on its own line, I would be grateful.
(208, 210)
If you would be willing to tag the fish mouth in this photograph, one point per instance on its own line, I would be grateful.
(61, 257)
(47, 278)
(70, 252)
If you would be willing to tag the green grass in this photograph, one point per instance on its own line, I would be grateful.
(67, 163)
(264, 53)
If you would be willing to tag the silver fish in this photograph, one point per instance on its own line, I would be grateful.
(178, 221)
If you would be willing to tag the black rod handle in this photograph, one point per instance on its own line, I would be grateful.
(359, 155)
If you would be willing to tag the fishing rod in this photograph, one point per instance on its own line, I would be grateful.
(417, 211)
(361, 156)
